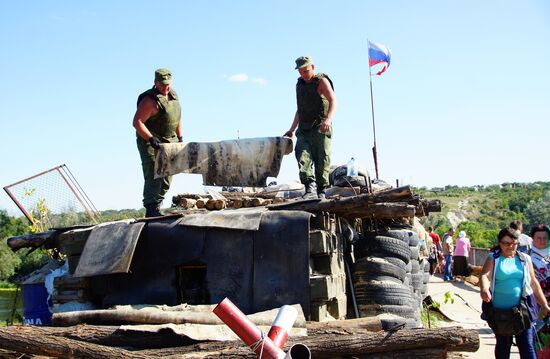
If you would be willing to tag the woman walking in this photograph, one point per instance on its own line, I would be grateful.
(506, 277)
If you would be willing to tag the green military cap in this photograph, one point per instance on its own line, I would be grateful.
(164, 76)
(303, 61)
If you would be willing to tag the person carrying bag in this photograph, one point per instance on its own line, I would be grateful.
(510, 292)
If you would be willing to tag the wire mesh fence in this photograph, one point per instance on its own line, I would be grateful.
(53, 199)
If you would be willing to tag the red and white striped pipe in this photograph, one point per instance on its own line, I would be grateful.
(282, 324)
(249, 333)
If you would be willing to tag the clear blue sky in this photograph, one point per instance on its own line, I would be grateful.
(465, 101)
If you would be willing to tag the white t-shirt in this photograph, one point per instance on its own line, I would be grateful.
(525, 240)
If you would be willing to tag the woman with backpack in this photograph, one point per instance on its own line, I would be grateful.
(508, 285)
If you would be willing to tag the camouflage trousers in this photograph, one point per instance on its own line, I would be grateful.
(313, 150)
(153, 189)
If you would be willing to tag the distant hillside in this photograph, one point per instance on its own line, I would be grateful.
(482, 211)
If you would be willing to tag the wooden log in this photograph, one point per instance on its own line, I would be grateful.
(23, 339)
(237, 203)
(383, 211)
(187, 203)
(432, 206)
(247, 202)
(211, 204)
(346, 343)
(114, 336)
(256, 202)
(201, 203)
(149, 316)
(372, 324)
(220, 204)
(342, 206)
(33, 240)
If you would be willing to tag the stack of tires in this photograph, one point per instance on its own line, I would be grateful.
(388, 279)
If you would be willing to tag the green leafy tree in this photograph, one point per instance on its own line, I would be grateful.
(538, 211)
(9, 227)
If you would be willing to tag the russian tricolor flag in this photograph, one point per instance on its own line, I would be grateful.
(379, 54)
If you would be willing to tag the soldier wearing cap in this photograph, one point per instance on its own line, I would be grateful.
(157, 120)
(313, 121)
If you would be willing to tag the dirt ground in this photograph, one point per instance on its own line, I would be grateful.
(465, 311)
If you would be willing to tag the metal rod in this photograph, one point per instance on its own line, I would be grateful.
(81, 190)
(374, 152)
(76, 195)
(36, 175)
(19, 205)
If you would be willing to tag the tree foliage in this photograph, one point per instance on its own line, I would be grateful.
(490, 208)
(538, 211)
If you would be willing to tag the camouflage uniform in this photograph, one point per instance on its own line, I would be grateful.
(162, 125)
(312, 146)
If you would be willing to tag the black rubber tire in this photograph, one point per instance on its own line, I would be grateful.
(414, 240)
(415, 266)
(424, 265)
(415, 252)
(366, 278)
(403, 234)
(397, 262)
(350, 181)
(380, 266)
(417, 280)
(391, 247)
(393, 260)
(377, 288)
(426, 278)
(341, 171)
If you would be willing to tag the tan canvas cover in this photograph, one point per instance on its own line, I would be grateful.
(243, 162)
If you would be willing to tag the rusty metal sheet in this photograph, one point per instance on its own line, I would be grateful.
(109, 249)
(242, 162)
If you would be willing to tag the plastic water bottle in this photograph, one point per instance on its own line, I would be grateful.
(352, 168)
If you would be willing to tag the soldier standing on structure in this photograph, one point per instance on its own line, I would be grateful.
(157, 120)
(313, 118)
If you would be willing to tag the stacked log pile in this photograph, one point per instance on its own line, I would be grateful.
(341, 339)
(392, 203)
(191, 201)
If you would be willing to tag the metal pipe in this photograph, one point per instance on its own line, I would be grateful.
(249, 333)
(298, 351)
(282, 324)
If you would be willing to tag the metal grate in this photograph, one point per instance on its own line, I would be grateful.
(53, 199)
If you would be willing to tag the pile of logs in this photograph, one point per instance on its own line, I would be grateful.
(391, 203)
(388, 204)
(192, 201)
(338, 339)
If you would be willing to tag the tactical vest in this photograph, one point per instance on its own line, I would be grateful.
(165, 122)
(312, 107)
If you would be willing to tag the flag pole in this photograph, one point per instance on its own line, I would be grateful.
(374, 152)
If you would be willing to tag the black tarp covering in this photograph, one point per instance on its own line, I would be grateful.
(256, 270)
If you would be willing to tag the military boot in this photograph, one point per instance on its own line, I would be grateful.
(152, 210)
(311, 190)
(321, 193)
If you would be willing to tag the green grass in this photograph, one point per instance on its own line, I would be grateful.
(435, 318)
(7, 296)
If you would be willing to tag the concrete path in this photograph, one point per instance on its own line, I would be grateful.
(465, 312)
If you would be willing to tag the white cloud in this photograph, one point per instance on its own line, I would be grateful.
(238, 78)
(260, 81)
